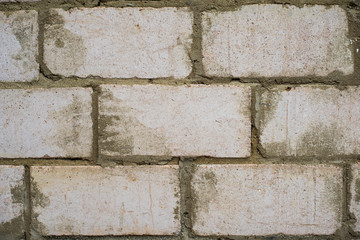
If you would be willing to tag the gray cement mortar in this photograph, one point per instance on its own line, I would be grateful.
(49, 80)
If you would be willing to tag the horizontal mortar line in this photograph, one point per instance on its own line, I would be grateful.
(273, 236)
(139, 158)
(201, 76)
(197, 160)
(278, 160)
(227, 6)
(57, 161)
(196, 157)
(88, 83)
(113, 237)
(191, 158)
(194, 237)
(245, 160)
(49, 159)
(31, 164)
(9, 6)
(309, 163)
(204, 77)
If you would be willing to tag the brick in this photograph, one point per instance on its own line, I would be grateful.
(91, 200)
(119, 42)
(19, 46)
(309, 121)
(184, 120)
(45, 123)
(271, 40)
(11, 202)
(355, 195)
(266, 199)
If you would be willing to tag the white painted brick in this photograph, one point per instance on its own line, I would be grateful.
(89, 200)
(355, 195)
(45, 122)
(274, 40)
(266, 199)
(309, 121)
(19, 46)
(119, 42)
(11, 201)
(184, 120)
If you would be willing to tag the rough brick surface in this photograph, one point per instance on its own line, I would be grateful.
(45, 123)
(355, 195)
(309, 121)
(266, 199)
(175, 120)
(11, 202)
(18, 46)
(91, 200)
(275, 40)
(119, 43)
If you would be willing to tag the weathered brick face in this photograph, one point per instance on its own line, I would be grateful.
(19, 46)
(46, 122)
(175, 121)
(267, 199)
(309, 121)
(119, 43)
(132, 200)
(179, 119)
(272, 40)
(12, 187)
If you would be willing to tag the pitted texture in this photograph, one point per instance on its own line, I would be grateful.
(272, 40)
(119, 43)
(89, 200)
(266, 199)
(45, 123)
(19, 46)
(175, 121)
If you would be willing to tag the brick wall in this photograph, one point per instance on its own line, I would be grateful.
(199, 119)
